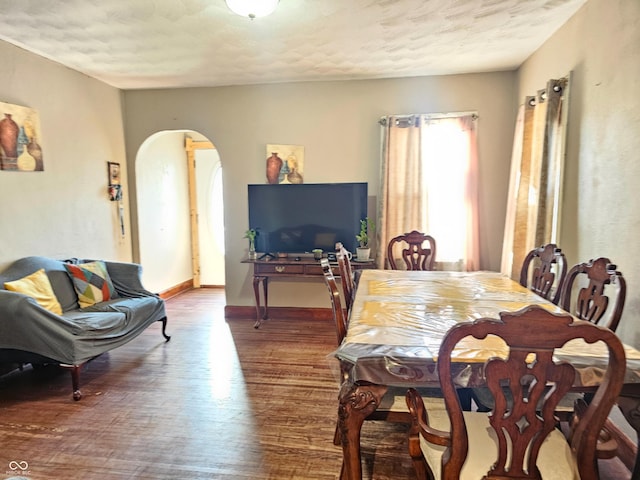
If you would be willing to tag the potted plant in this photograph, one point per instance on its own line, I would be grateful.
(367, 227)
(251, 234)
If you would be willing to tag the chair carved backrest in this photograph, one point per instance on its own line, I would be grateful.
(545, 280)
(591, 303)
(414, 253)
(522, 422)
(339, 316)
(346, 275)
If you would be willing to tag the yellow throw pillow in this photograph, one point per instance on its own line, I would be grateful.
(38, 286)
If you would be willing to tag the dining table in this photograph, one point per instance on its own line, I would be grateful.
(398, 321)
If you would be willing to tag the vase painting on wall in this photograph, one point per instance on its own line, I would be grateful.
(20, 140)
(285, 164)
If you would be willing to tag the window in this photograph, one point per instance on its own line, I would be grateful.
(430, 184)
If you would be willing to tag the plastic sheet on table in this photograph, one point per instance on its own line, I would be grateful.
(401, 323)
(398, 321)
(450, 285)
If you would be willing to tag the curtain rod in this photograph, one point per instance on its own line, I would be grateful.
(429, 116)
(556, 85)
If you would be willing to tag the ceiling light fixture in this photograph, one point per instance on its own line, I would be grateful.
(252, 8)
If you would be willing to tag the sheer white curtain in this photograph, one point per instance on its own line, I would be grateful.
(429, 183)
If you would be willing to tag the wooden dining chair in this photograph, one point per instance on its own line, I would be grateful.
(518, 438)
(414, 253)
(339, 314)
(544, 270)
(393, 406)
(583, 295)
(347, 278)
(590, 302)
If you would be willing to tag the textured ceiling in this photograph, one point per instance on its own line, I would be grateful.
(133, 44)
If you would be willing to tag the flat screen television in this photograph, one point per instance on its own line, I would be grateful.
(300, 217)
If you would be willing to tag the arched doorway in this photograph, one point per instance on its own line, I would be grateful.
(171, 192)
(208, 253)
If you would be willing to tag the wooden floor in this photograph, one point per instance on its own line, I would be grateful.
(219, 401)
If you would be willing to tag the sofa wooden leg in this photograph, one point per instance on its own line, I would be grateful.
(164, 329)
(75, 382)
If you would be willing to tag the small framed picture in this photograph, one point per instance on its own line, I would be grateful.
(115, 188)
(114, 173)
(115, 193)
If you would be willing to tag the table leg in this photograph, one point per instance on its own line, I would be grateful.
(356, 402)
(630, 408)
(261, 315)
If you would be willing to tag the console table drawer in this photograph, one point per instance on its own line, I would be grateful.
(275, 269)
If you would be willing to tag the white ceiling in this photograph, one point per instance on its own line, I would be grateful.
(133, 44)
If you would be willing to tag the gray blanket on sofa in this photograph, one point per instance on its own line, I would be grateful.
(78, 334)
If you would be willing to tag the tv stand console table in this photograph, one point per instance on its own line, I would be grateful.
(292, 266)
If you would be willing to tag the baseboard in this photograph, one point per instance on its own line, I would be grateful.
(249, 312)
(280, 313)
(178, 289)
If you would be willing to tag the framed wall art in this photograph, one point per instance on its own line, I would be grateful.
(20, 140)
(285, 164)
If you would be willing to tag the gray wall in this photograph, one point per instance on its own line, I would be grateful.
(63, 211)
(336, 122)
